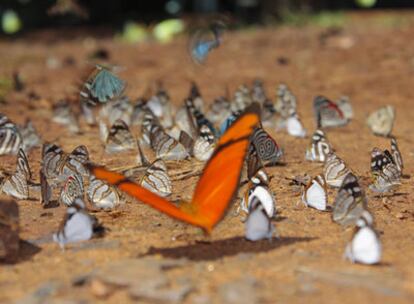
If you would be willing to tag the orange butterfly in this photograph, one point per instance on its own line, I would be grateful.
(217, 185)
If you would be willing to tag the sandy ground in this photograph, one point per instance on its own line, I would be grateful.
(307, 261)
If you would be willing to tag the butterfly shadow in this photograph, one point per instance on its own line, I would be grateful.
(207, 251)
(26, 252)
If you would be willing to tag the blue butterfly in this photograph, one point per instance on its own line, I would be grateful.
(204, 41)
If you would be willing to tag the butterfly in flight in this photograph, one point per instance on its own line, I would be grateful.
(203, 41)
(217, 185)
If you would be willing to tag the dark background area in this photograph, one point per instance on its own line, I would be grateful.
(33, 13)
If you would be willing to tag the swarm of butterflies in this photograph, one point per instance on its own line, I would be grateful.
(229, 136)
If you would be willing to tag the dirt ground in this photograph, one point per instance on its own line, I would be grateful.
(371, 61)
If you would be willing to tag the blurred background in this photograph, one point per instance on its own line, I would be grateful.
(26, 15)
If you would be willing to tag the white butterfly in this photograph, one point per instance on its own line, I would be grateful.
(258, 225)
(294, 126)
(258, 189)
(77, 225)
(315, 195)
(365, 246)
(382, 120)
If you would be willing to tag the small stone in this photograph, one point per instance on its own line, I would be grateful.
(400, 216)
(99, 289)
(9, 230)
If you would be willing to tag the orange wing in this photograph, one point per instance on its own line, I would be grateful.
(218, 183)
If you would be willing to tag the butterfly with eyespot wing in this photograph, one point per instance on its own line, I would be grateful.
(267, 149)
(217, 185)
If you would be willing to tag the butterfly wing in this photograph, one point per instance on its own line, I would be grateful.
(217, 185)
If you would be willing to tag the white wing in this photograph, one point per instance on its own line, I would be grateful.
(265, 198)
(78, 228)
(316, 196)
(365, 247)
(258, 225)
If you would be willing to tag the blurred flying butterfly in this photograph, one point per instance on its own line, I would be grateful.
(327, 113)
(101, 86)
(203, 41)
(382, 120)
(335, 170)
(365, 245)
(319, 148)
(350, 202)
(101, 195)
(77, 225)
(315, 195)
(156, 179)
(10, 137)
(267, 149)
(384, 171)
(217, 185)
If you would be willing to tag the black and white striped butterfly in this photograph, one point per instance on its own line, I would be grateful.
(196, 118)
(119, 137)
(381, 121)
(17, 184)
(384, 170)
(258, 225)
(365, 245)
(267, 149)
(396, 155)
(328, 113)
(77, 225)
(10, 137)
(101, 86)
(164, 146)
(335, 170)
(101, 195)
(57, 165)
(205, 144)
(156, 179)
(315, 194)
(73, 188)
(319, 148)
(258, 187)
(350, 202)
